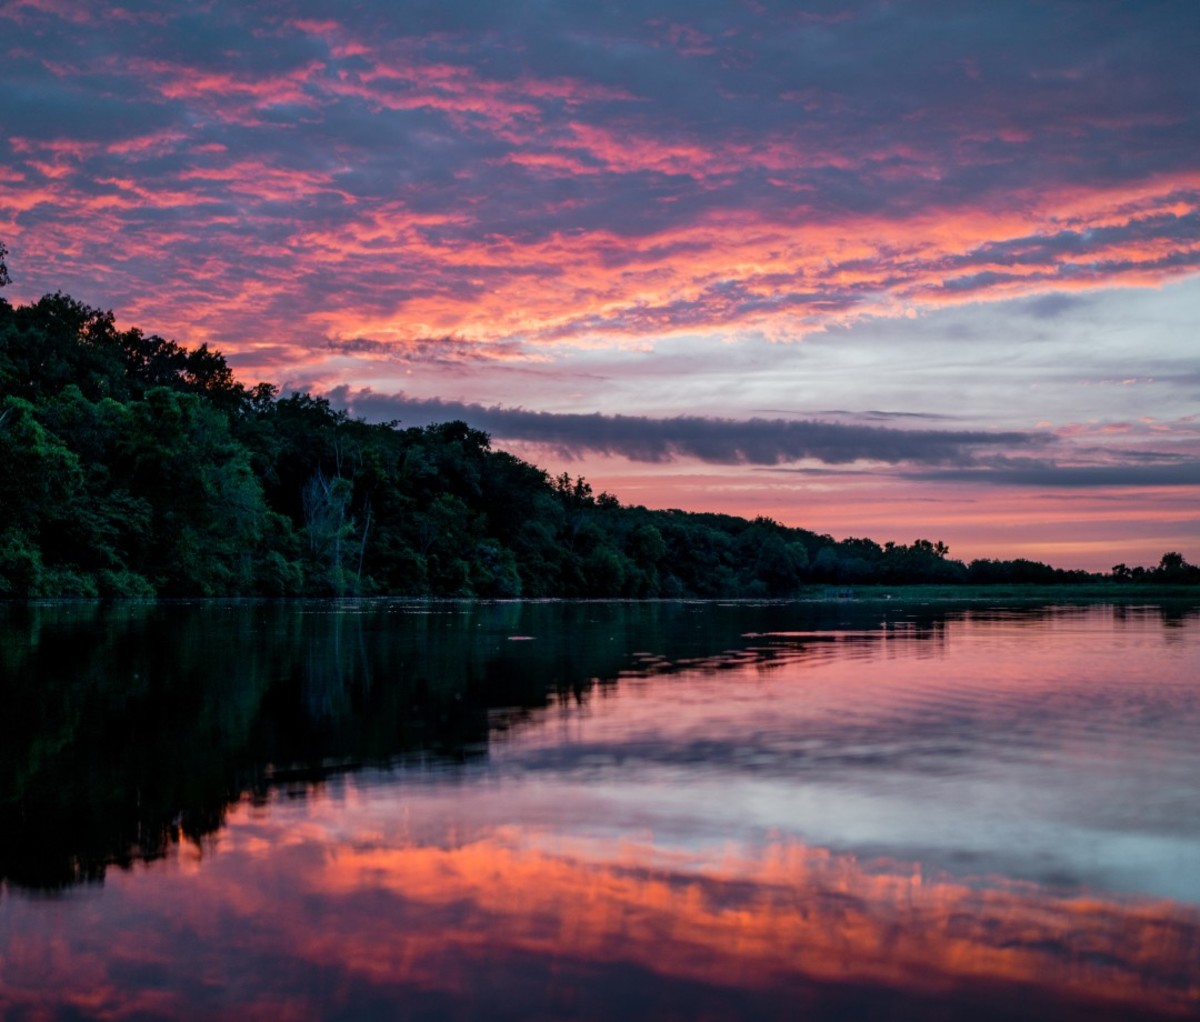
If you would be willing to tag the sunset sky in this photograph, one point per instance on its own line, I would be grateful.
(892, 269)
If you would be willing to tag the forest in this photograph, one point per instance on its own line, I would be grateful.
(136, 467)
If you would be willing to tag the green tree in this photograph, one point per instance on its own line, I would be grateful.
(328, 525)
(40, 488)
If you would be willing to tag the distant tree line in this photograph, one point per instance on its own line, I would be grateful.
(1171, 569)
(136, 467)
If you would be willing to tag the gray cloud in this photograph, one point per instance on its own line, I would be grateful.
(426, 351)
(720, 441)
(1052, 306)
(1036, 473)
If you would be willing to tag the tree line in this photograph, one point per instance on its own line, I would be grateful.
(137, 467)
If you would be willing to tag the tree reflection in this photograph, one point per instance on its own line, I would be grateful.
(131, 727)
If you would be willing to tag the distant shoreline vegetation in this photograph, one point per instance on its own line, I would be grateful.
(136, 467)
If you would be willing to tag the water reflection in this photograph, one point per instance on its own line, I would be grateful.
(585, 810)
(130, 726)
(327, 909)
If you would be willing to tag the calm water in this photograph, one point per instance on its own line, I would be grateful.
(543, 811)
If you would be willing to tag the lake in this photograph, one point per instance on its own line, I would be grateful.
(390, 809)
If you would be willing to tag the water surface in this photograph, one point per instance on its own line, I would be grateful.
(386, 809)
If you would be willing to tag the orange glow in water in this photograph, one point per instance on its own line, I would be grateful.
(427, 916)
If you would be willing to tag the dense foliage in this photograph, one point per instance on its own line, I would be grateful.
(134, 466)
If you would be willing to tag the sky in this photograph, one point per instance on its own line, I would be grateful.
(885, 268)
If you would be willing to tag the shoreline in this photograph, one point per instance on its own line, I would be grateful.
(901, 594)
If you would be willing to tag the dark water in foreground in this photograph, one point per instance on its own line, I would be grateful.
(667, 811)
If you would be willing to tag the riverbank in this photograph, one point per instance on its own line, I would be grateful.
(1023, 593)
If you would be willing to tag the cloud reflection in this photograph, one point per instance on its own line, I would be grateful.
(294, 892)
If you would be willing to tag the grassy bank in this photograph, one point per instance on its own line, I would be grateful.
(1089, 592)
